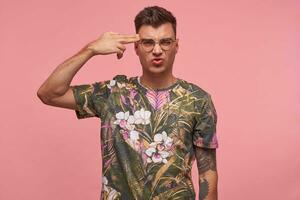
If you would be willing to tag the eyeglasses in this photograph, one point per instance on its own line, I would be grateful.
(148, 44)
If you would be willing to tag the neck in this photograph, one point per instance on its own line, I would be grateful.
(158, 82)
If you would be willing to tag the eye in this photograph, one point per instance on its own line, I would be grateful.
(148, 42)
(166, 42)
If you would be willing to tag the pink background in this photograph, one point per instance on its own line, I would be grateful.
(244, 53)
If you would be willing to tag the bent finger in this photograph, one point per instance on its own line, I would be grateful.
(121, 46)
(119, 56)
(119, 53)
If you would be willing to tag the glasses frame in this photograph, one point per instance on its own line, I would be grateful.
(155, 42)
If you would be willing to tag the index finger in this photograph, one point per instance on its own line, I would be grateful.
(129, 38)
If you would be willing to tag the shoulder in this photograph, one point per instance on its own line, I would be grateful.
(195, 89)
(202, 99)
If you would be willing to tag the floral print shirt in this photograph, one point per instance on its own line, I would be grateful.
(148, 137)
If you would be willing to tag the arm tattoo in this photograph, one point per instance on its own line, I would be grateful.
(206, 160)
(203, 189)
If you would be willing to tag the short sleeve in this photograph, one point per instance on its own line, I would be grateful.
(89, 99)
(204, 132)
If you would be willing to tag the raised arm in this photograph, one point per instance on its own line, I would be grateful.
(56, 90)
(208, 176)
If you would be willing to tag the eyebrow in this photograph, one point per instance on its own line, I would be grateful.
(152, 39)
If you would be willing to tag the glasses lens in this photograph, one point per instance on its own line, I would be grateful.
(166, 44)
(148, 45)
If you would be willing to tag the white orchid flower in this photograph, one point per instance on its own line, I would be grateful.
(163, 139)
(158, 150)
(125, 120)
(150, 151)
(142, 116)
(111, 83)
(104, 180)
(156, 156)
(134, 135)
(130, 123)
(163, 155)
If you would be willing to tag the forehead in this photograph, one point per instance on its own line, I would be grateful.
(163, 31)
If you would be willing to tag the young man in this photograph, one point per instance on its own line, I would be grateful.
(152, 126)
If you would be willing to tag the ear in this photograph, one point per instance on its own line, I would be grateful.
(176, 45)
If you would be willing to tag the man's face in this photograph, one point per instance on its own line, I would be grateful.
(168, 56)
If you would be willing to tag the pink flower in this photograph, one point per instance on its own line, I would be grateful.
(132, 93)
(123, 99)
(125, 134)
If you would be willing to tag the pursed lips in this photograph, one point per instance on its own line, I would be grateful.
(157, 59)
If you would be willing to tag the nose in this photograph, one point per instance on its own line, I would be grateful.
(157, 49)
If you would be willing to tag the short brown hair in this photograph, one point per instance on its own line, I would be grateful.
(154, 16)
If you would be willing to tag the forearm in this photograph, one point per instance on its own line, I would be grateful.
(208, 176)
(208, 186)
(60, 79)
